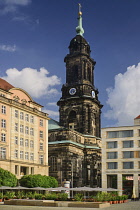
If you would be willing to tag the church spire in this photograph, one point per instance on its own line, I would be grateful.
(79, 28)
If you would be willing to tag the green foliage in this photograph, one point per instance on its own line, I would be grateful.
(7, 178)
(20, 194)
(38, 196)
(38, 180)
(62, 196)
(51, 196)
(78, 197)
(30, 195)
(9, 195)
(0, 195)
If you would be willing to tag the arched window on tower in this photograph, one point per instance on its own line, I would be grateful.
(88, 74)
(74, 74)
(72, 120)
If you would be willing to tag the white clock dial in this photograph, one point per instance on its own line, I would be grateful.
(72, 91)
(93, 94)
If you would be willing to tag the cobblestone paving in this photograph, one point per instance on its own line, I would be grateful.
(131, 205)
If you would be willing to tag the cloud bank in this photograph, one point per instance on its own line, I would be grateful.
(8, 48)
(124, 98)
(37, 83)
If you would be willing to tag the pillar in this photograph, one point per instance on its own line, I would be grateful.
(104, 181)
(119, 183)
(135, 184)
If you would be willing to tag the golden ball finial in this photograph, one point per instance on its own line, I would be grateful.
(80, 13)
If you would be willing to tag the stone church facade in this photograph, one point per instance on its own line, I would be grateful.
(74, 142)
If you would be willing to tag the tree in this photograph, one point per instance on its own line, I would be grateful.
(38, 180)
(7, 178)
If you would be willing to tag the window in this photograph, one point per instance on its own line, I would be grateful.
(128, 165)
(21, 128)
(31, 131)
(21, 142)
(16, 169)
(26, 117)
(2, 153)
(3, 123)
(32, 170)
(32, 119)
(3, 137)
(112, 144)
(26, 142)
(41, 146)
(21, 154)
(41, 134)
(53, 164)
(128, 154)
(31, 156)
(112, 155)
(26, 155)
(31, 144)
(26, 130)
(21, 115)
(112, 165)
(16, 140)
(120, 134)
(41, 123)
(128, 144)
(16, 113)
(16, 126)
(16, 153)
(41, 159)
(3, 109)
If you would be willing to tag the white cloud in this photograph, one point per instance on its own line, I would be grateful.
(36, 83)
(12, 5)
(8, 48)
(51, 113)
(51, 104)
(124, 98)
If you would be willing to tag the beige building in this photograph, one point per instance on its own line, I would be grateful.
(23, 133)
(121, 157)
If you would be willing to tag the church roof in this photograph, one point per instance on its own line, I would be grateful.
(5, 85)
(53, 124)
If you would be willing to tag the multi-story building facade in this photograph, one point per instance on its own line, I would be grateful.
(121, 157)
(23, 133)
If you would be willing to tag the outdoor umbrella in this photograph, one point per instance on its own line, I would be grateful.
(82, 189)
(57, 188)
(38, 188)
(20, 188)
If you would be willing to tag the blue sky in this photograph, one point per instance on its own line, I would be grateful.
(35, 35)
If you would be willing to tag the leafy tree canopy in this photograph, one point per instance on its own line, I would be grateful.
(38, 180)
(7, 178)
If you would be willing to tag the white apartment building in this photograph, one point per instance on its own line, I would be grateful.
(121, 157)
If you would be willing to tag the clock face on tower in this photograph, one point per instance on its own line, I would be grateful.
(72, 91)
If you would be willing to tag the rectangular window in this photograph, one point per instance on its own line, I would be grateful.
(16, 113)
(21, 154)
(120, 134)
(32, 119)
(16, 153)
(26, 142)
(112, 165)
(41, 134)
(16, 140)
(128, 154)
(41, 159)
(21, 115)
(112, 155)
(32, 170)
(31, 156)
(128, 165)
(41, 146)
(3, 109)
(27, 117)
(21, 142)
(31, 144)
(3, 137)
(41, 122)
(22, 128)
(112, 144)
(3, 123)
(2, 153)
(31, 131)
(128, 144)
(16, 169)
(26, 155)
(26, 130)
(16, 126)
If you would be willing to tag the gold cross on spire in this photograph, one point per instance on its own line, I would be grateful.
(80, 13)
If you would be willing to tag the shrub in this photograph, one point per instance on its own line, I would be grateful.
(38, 196)
(62, 196)
(38, 180)
(51, 196)
(7, 178)
(30, 195)
(78, 197)
(9, 195)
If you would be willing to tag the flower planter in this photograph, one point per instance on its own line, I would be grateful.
(0, 199)
(110, 202)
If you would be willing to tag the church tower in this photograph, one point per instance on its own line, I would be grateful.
(79, 106)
